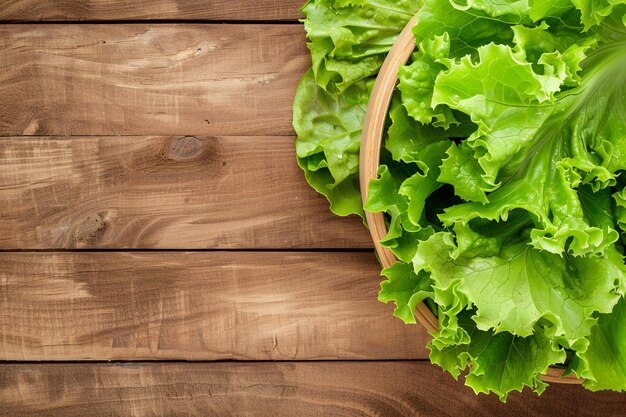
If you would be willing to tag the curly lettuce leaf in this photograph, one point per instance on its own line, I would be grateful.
(417, 81)
(348, 40)
(517, 286)
(443, 32)
(406, 288)
(466, 29)
(498, 362)
(595, 11)
(542, 9)
(603, 364)
(329, 134)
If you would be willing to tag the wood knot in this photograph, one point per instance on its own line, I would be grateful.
(187, 147)
(90, 230)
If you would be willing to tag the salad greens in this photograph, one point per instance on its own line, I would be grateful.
(503, 174)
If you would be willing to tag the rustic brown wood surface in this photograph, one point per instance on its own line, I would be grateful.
(389, 389)
(177, 135)
(60, 10)
(142, 79)
(198, 306)
(163, 192)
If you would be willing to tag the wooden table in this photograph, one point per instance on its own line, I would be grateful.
(161, 251)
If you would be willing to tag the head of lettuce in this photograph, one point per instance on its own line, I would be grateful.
(503, 174)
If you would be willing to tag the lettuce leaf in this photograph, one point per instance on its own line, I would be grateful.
(513, 286)
(603, 363)
(498, 362)
(329, 134)
(350, 38)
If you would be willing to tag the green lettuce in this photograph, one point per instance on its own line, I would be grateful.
(348, 40)
(329, 134)
(503, 175)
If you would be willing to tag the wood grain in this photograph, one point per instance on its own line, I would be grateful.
(163, 192)
(138, 79)
(198, 306)
(389, 389)
(63, 10)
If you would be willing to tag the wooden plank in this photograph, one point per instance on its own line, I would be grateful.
(163, 192)
(139, 79)
(304, 389)
(198, 306)
(63, 10)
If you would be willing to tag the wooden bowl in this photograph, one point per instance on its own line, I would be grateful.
(371, 142)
